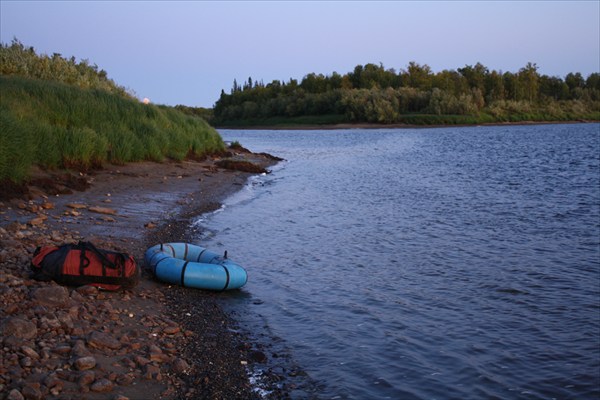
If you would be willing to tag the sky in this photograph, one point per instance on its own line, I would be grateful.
(186, 52)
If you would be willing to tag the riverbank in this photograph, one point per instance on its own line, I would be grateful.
(365, 125)
(151, 342)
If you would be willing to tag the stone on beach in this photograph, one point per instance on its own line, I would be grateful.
(77, 206)
(102, 386)
(38, 220)
(180, 366)
(102, 340)
(171, 330)
(18, 327)
(51, 295)
(29, 352)
(31, 391)
(103, 210)
(86, 378)
(47, 205)
(84, 363)
(87, 290)
(15, 395)
(80, 350)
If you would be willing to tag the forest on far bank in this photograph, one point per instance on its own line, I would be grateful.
(415, 95)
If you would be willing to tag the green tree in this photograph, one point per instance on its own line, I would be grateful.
(576, 83)
(450, 82)
(512, 86)
(593, 81)
(494, 87)
(418, 76)
(553, 87)
(475, 75)
(529, 80)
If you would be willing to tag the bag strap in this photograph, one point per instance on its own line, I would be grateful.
(84, 262)
(100, 254)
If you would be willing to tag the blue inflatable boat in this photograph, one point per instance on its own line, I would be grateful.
(194, 266)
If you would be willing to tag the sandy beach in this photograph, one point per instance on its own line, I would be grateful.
(152, 342)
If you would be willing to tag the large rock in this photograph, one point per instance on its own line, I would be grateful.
(18, 327)
(31, 391)
(102, 386)
(84, 363)
(15, 395)
(103, 341)
(51, 295)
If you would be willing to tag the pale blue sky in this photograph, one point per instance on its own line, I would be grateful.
(186, 52)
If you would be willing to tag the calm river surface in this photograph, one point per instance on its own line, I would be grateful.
(448, 263)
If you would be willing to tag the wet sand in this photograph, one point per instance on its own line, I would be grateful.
(151, 342)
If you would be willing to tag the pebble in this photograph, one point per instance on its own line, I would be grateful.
(29, 352)
(52, 380)
(141, 361)
(152, 372)
(180, 366)
(171, 330)
(86, 378)
(47, 205)
(102, 386)
(80, 350)
(87, 290)
(103, 210)
(77, 206)
(85, 363)
(38, 220)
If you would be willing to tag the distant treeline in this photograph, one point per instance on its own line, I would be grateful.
(57, 113)
(373, 94)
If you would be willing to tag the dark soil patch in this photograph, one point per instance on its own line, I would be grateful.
(243, 166)
(50, 184)
(10, 190)
(61, 183)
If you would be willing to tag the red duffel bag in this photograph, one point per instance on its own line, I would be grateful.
(84, 264)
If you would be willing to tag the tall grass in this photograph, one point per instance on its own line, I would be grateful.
(17, 59)
(55, 125)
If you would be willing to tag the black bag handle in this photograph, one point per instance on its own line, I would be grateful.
(101, 255)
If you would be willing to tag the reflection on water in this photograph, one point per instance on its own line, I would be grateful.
(434, 263)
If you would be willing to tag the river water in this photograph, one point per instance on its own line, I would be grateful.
(447, 263)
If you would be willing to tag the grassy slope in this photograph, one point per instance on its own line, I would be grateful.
(55, 125)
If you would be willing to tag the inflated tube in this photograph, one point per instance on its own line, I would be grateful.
(194, 266)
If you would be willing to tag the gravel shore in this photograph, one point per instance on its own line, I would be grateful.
(151, 342)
